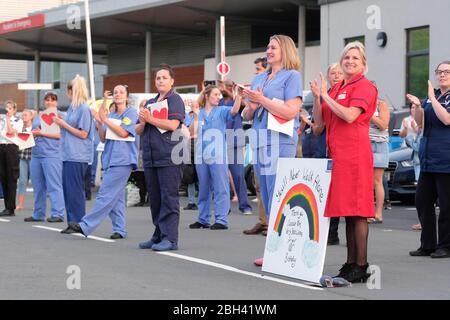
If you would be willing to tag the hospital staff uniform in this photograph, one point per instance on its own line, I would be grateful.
(162, 175)
(76, 154)
(118, 159)
(272, 145)
(9, 165)
(46, 176)
(211, 165)
(236, 153)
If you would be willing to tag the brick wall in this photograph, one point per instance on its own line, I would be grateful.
(9, 91)
(184, 76)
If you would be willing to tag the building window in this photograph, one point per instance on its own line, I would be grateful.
(418, 61)
(361, 39)
(56, 75)
(186, 89)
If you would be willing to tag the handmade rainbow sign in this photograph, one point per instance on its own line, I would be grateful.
(298, 231)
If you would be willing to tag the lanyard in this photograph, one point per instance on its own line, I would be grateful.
(261, 109)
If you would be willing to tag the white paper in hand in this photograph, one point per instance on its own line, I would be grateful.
(23, 140)
(111, 135)
(279, 124)
(159, 110)
(47, 124)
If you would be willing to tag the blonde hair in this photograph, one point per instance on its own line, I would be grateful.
(362, 51)
(79, 90)
(11, 103)
(289, 55)
(205, 94)
(332, 66)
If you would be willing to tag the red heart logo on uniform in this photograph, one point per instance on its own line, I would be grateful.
(23, 136)
(10, 135)
(162, 114)
(48, 118)
(280, 120)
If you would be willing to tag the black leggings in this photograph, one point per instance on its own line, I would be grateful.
(431, 187)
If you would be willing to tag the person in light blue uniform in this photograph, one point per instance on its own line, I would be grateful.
(235, 148)
(76, 148)
(46, 169)
(283, 82)
(211, 159)
(118, 160)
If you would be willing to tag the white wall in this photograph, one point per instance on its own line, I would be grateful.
(387, 66)
(243, 68)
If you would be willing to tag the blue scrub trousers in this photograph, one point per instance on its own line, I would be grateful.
(266, 169)
(73, 187)
(238, 173)
(110, 201)
(46, 178)
(213, 178)
(163, 184)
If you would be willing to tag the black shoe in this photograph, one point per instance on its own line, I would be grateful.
(345, 269)
(441, 253)
(73, 228)
(198, 225)
(420, 253)
(191, 206)
(7, 213)
(31, 219)
(357, 274)
(116, 235)
(333, 241)
(218, 226)
(54, 219)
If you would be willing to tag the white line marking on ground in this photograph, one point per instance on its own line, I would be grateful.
(410, 209)
(4, 220)
(233, 269)
(75, 234)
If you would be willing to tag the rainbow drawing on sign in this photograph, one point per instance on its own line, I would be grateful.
(302, 196)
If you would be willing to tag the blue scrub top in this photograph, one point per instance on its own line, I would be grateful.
(122, 153)
(45, 147)
(157, 147)
(73, 148)
(287, 85)
(434, 150)
(234, 124)
(211, 141)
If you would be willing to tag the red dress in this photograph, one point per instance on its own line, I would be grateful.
(351, 190)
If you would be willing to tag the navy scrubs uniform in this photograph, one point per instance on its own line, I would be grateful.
(162, 176)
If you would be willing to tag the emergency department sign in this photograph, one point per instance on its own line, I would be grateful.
(298, 232)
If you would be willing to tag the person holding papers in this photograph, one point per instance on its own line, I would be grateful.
(210, 124)
(9, 157)
(346, 111)
(117, 132)
(46, 164)
(273, 103)
(76, 148)
(157, 122)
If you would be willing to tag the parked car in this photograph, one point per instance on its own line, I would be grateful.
(400, 176)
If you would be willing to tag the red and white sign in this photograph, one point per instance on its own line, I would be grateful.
(47, 124)
(223, 68)
(23, 140)
(35, 21)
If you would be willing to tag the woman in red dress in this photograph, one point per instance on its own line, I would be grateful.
(346, 112)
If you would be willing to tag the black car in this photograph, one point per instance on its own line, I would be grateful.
(400, 176)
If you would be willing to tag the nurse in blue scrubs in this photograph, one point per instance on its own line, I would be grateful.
(118, 160)
(76, 148)
(211, 158)
(278, 91)
(162, 172)
(46, 169)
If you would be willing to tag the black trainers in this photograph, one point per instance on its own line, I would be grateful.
(441, 253)
(54, 219)
(420, 253)
(357, 274)
(7, 213)
(31, 219)
(191, 206)
(198, 225)
(73, 228)
(346, 268)
(218, 226)
(116, 235)
(333, 241)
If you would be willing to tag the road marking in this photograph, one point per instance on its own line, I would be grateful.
(4, 220)
(233, 269)
(75, 234)
(410, 209)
